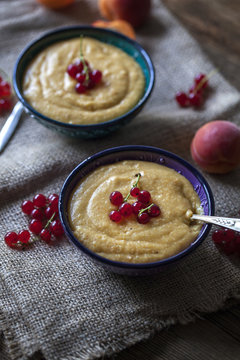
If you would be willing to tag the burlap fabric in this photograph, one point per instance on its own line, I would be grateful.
(53, 299)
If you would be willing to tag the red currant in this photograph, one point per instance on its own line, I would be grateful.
(72, 70)
(199, 79)
(35, 226)
(125, 209)
(56, 228)
(143, 218)
(24, 236)
(195, 99)
(5, 89)
(81, 77)
(95, 76)
(5, 104)
(144, 196)
(45, 235)
(49, 212)
(137, 206)
(39, 200)
(115, 216)
(182, 99)
(36, 214)
(80, 88)
(27, 207)
(11, 238)
(51, 197)
(90, 84)
(218, 236)
(154, 211)
(229, 235)
(116, 198)
(135, 191)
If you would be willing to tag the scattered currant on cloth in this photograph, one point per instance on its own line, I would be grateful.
(195, 95)
(142, 207)
(5, 94)
(44, 223)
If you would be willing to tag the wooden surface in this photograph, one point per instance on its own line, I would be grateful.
(215, 24)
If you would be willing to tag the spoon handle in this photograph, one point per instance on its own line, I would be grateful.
(10, 125)
(229, 223)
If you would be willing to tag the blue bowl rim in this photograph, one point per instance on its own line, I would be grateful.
(108, 123)
(136, 266)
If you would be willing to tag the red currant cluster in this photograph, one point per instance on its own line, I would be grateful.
(227, 241)
(141, 208)
(5, 95)
(195, 94)
(45, 222)
(85, 76)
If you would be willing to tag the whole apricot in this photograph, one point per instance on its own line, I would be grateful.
(133, 11)
(216, 146)
(121, 26)
(55, 4)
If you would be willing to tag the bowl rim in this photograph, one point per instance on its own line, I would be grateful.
(101, 125)
(136, 266)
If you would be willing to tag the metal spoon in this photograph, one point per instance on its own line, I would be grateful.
(229, 223)
(10, 125)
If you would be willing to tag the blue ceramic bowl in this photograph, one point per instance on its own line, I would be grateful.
(129, 46)
(146, 153)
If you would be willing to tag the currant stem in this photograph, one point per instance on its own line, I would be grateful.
(134, 185)
(49, 221)
(85, 68)
(204, 80)
(147, 208)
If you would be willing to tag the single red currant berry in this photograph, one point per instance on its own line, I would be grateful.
(5, 89)
(45, 235)
(137, 206)
(56, 228)
(27, 207)
(199, 79)
(125, 209)
(81, 77)
(54, 204)
(195, 99)
(229, 235)
(72, 70)
(115, 216)
(79, 65)
(51, 197)
(35, 226)
(39, 200)
(218, 236)
(237, 244)
(80, 88)
(5, 104)
(154, 211)
(135, 191)
(182, 99)
(144, 196)
(96, 76)
(11, 238)
(36, 214)
(24, 236)
(143, 218)
(116, 198)
(49, 212)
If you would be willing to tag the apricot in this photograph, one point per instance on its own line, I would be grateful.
(119, 25)
(216, 147)
(55, 4)
(133, 11)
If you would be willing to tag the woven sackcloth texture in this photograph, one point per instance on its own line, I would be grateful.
(54, 300)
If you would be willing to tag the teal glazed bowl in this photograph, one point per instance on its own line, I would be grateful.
(129, 46)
